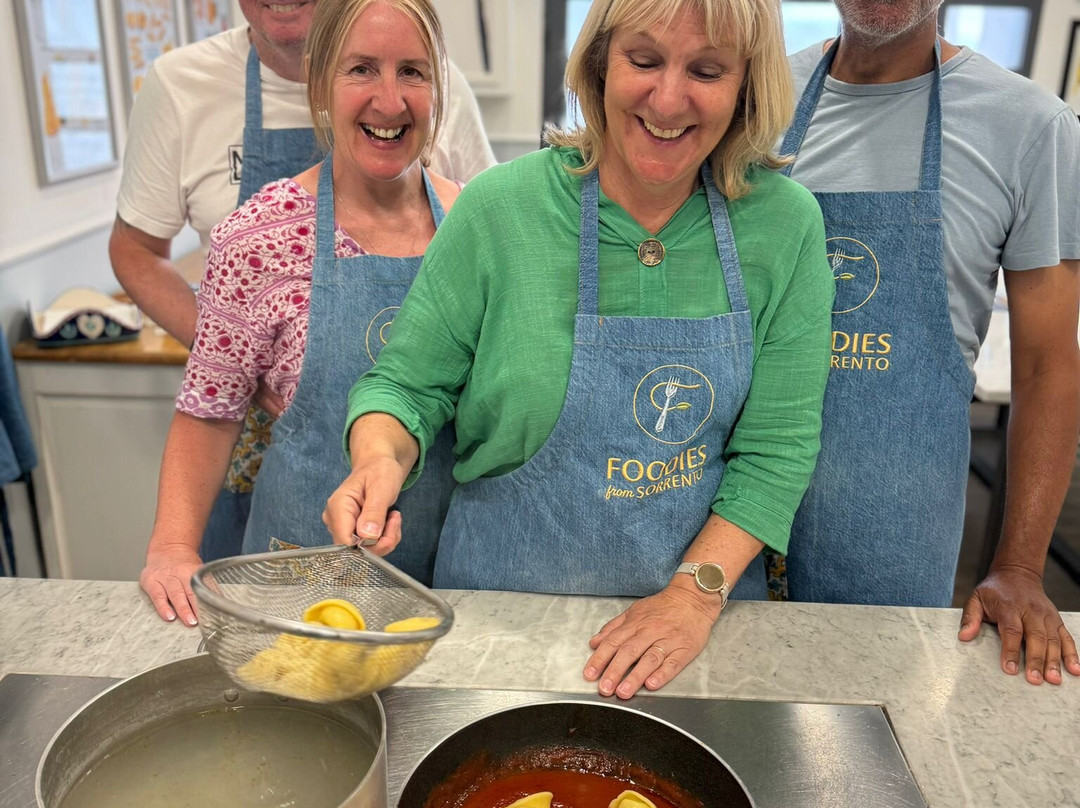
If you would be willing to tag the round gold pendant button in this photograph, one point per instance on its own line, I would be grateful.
(650, 252)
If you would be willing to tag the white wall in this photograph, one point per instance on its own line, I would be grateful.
(35, 221)
(510, 95)
(1052, 45)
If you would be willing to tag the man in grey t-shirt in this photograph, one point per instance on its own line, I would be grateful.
(922, 207)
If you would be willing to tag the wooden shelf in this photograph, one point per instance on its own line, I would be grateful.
(153, 347)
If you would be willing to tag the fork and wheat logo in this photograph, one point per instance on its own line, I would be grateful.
(838, 259)
(673, 402)
(855, 270)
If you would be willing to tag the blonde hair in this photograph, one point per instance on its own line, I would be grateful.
(330, 27)
(766, 101)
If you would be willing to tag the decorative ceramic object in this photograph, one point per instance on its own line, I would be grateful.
(83, 316)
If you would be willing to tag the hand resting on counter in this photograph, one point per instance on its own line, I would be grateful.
(1044, 419)
(1014, 599)
(651, 642)
(657, 636)
(197, 452)
(166, 578)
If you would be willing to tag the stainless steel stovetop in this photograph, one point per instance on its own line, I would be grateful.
(789, 755)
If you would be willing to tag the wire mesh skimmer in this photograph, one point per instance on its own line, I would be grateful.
(251, 611)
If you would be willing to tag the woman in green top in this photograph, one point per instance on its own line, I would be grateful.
(634, 363)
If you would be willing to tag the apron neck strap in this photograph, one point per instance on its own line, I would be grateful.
(437, 212)
(725, 242)
(324, 206)
(930, 174)
(253, 116)
(930, 164)
(589, 244)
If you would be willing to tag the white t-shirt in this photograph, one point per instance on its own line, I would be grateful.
(1010, 164)
(187, 132)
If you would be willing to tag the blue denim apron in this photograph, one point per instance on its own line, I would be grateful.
(353, 302)
(625, 481)
(269, 154)
(883, 518)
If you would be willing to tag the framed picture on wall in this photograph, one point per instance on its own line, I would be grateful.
(206, 18)
(147, 29)
(67, 87)
(1070, 83)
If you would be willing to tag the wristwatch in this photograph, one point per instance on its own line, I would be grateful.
(709, 577)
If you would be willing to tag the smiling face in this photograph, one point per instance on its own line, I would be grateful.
(282, 24)
(383, 95)
(669, 97)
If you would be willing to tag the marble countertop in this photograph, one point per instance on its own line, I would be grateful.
(973, 736)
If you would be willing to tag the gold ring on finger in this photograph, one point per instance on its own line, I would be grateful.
(663, 653)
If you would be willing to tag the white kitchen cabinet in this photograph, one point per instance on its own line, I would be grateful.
(100, 429)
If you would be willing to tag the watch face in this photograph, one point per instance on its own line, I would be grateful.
(710, 577)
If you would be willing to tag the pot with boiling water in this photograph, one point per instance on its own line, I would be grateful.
(183, 735)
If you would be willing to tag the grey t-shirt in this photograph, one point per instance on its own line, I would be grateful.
(1010, 168)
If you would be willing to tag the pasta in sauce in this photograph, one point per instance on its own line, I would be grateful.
(554, 777)
(627, 799)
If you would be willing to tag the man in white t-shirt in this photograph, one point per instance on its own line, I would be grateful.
(185, 159)
(933, 168)
(213, 123)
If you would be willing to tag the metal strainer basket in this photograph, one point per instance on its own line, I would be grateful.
(251, 614)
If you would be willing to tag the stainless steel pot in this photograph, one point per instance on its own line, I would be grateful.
(655, 745)
(183, 688)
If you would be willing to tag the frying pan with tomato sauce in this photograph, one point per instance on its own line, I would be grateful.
(585, 753)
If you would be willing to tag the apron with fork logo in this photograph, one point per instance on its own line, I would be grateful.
(882, 520)
(351, 298)
(625, 481)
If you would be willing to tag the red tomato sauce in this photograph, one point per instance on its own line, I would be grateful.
(570, 790)
(578, 778)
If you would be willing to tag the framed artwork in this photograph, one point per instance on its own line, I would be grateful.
(207, 17)
(67, 87)
(147, 29)
(1070, 83)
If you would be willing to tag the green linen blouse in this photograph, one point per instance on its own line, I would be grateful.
(485, 335)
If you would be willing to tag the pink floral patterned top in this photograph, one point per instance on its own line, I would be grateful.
(253, 303)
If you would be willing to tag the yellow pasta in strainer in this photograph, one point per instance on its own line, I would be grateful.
(328, 670)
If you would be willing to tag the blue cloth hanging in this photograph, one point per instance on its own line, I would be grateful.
(17, 455)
